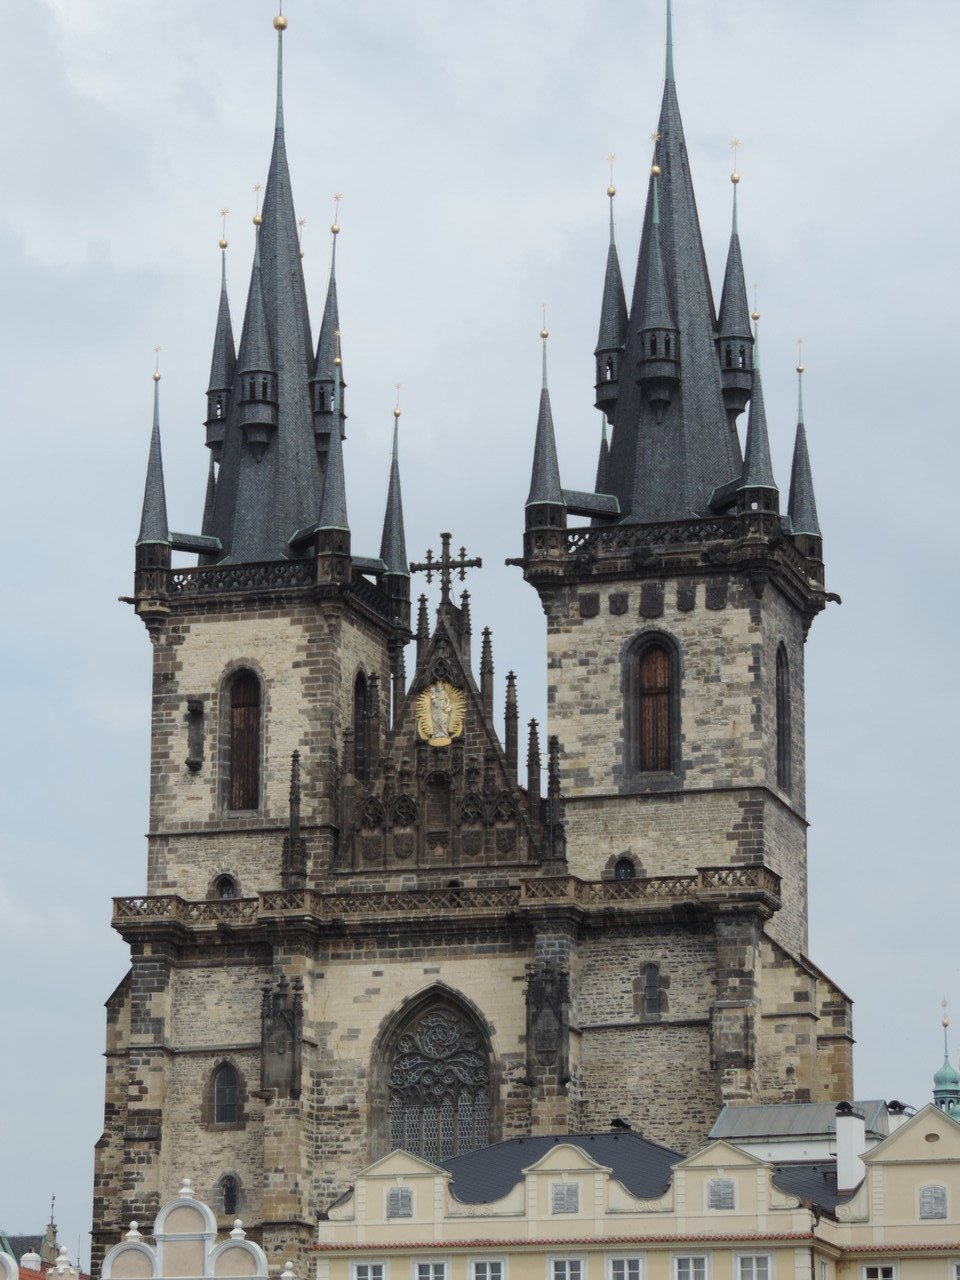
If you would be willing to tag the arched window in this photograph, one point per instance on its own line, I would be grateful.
(438, 1084)
(649, 998)
(783, 720)
(245, 725)
(624, 869)
(361, 729)
(651, 712)
(225, 887)
(226, 1096)
(654, 695)
(229, 1195)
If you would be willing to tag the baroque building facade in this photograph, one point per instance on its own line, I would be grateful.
(364, 927)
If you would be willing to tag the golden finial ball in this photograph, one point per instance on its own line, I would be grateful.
(335, 228)
(156, 376)
(279, 23)
(655, 170)
(301, 253)
(396, 413)
(611, 190)
(257, 220)
(754, 315)
(337, 361)
(734, 177)
(544, 334)
(799, 368)
(223, 244)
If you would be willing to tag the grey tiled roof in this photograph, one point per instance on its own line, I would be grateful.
(734, 318)
(545, 474)
(792, 1120)
(223, 365)
(613, 307)
(333, 507)
(757, 466)
(643, 1167)
(666, 470)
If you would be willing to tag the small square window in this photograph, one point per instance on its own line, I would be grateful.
(690, 1267)
(565, 1197)
(720, 1193)
(626, 1269)
(488, 1269)
(754, 1266)
(368, 1271)
(882, 1271)
(567, 1269)
(400, 1202)
(430, 1271)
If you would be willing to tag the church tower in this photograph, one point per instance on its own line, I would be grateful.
(676, 627)
(365, 925)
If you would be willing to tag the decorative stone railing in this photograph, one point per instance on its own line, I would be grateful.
(220, 579)
(709, 883)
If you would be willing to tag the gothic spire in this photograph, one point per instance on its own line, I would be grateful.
(734, 338)
(666, 459)
(153, 519)
(757, 466)
(545, 487)
(393, 546)
(269, 483)
(603, 460)
(223, 365)
(802, 505)
(613, 323)
(333, 508)
(327, 349)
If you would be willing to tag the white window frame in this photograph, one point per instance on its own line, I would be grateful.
(566, 1260)
(933, 1217)
(382, 1263)
(954, 1272)
(488, 1262)
(638, 1258)
(694, 1257)
(570, 1191)
(878, 1268)
(723, 1183)
(739, 1258)
(439, 1268)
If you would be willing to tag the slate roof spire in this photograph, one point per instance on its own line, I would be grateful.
(393, 546)
(545, 487)
(613, 322)
(667, 459)
(269, 484)
(802, 505)
(734, 337)
(327, 349)
(153, 517)
(223, 364)
(333, 508)
(757, 485)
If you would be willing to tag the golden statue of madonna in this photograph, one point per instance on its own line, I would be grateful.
(440, 710)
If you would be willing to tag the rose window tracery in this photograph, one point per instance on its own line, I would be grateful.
(439, 1087)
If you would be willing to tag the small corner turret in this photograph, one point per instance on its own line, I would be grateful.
(613, 322)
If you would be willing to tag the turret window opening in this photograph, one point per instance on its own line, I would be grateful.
(263, 388)
(653, 344)
(245, 741)
(361, 728)
(783, 727)
(666, 344)
(651, 687)
(609, 369)
(729, 356)
(218, 411)
(743, 357)
(225, 888)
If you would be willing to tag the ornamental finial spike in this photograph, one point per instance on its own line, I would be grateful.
(543, 332)
(335, 228)
(156, 367)
(223, 232)
(279, 23)
(257, 187)
(735, 177)
(396, 411)
(611, 190)
(799, 355)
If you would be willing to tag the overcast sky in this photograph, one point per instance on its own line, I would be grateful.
(470, 144)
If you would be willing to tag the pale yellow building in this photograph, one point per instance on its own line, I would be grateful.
(576, 1212)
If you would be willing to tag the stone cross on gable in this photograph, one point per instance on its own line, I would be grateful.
(446, 566)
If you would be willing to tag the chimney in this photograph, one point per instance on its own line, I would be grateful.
(30, 1261)
(851, 1143)
(896, 1115)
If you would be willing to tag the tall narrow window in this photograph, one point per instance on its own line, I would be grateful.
(245, 741)
(654, 719)
(783, 720)
(230, 1194)
(651, 991)
(226, 1096)
(361, 729)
